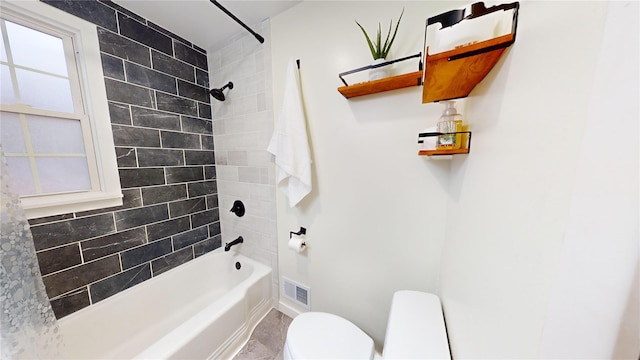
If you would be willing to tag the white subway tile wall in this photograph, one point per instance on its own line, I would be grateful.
(242, 127)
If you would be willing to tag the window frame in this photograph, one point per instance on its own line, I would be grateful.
(105, 181)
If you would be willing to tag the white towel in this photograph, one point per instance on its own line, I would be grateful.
(289, 142)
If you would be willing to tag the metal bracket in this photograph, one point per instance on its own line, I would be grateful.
(302, 231)
(373, 66)
(478, 9)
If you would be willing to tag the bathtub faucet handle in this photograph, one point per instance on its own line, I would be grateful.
(237, 241)
(238, 208)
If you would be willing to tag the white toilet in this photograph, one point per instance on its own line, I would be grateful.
(415, 330)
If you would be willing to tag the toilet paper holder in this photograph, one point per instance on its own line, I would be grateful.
(293, 244)
(302, 231)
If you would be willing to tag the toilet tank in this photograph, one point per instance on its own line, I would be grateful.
(416, 328)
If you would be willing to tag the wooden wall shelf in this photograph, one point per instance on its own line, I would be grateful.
(464, 137)
(450, 74)
(381, 85)
(447, 75)
(453, 74)
(443, 152)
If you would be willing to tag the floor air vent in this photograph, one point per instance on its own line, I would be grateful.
(296, 293)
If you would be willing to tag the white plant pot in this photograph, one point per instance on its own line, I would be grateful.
(379, 72)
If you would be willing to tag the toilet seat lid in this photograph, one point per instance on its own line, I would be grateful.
(317, 335)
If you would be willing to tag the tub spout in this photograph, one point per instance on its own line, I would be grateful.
(237, 241)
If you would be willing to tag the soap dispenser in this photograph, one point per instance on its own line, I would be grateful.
(450, 122)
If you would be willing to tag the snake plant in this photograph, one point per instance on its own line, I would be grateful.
(378, 49)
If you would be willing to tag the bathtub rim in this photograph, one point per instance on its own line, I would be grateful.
(190, 263)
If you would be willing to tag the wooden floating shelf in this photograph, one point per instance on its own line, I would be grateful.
(381, 85)
(464, 137)
(449, 74)
(453, 74)
(443, 152)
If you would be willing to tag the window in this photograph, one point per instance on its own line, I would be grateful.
(54, 124)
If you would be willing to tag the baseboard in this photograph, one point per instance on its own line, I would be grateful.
(288, 310)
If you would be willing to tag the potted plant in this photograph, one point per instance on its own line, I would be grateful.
(380, 50)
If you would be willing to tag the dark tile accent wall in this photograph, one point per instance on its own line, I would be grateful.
(160, 112)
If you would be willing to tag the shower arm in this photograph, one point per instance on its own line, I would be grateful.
(257, 36)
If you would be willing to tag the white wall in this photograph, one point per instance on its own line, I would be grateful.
(487, 232)
(242, 127)
(375, 219)
(598, 271)
(513, 195)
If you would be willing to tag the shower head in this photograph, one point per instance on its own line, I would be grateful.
(218, 94)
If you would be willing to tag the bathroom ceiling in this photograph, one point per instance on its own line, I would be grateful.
(201, 22)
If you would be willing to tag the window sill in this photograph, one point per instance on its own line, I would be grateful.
(68, 203)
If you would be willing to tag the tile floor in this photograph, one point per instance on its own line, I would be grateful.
(267, 340)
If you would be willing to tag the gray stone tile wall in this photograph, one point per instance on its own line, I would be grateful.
(157, 88)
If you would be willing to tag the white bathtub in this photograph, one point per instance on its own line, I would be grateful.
(204, 309)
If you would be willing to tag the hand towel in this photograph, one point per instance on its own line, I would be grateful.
(289, 142)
